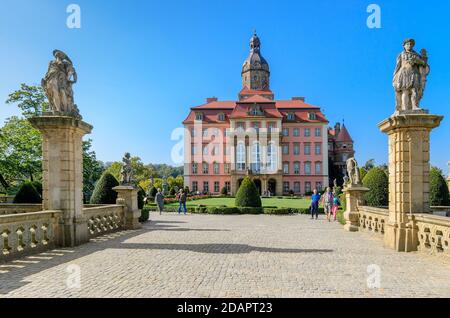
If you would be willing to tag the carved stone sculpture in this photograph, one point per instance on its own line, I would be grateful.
(354, 177)
(57, 85)
(126, 172)
(410, 78)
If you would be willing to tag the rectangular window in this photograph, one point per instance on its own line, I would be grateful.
(216, 186)
(318, 148)
(296, 167)
(193, 150)
(285, 131)
(227, 132)
(226, 168)
(318, 132)
(205, 132)
(194, 168)
(285, 186)
(194, 186)
(307, 150)
(307, 168)
(307, 186)
(296, 148)
(286, 167)
(297, 187)
(319, 186)
(205, 168)
(193, 132)
(228, 186)
(296, 132)
(205, 150)
(285, 149)
(205, 186)
(307, 132)
(216, 168)
(318, 168)
(271, 126)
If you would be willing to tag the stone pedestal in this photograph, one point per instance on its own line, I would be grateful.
(409, 168)
(62, 173)
(353, 197)
(128, 195)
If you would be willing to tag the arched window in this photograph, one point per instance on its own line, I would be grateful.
(240, 156)
(256, 157)
(272, 157)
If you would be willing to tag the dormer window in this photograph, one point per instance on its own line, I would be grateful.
(290, 116)
(255, 110)
(221, 117)
(312, 116)
(198, 116)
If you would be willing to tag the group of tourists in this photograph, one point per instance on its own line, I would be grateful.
(181, 198)
(330, 203)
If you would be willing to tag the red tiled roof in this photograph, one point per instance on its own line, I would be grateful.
(217, 105)
(246, 91)
(297, 103)
(256, 99)
(344, 135)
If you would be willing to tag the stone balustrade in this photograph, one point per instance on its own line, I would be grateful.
(372, 219)
(26, 233)
(433, 234)
(103, 219)
(10, 208)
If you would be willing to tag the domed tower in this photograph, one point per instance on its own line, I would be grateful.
(255, 70)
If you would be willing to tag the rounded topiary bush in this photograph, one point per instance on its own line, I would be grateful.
(172, 191)
(140, 197)
(153, 192)
(378, 183)
(103, 191)
(224, 191)
(439, 194)
(248, 195)
(38, 186)
(27, 194)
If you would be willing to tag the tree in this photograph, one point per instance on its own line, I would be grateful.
(92, 169)
(27, 194)
(248, 195)
(362, 172)
(153, 192)
(439, 194)
(30, 99)
(370, 164)
(20, 151)
(377, 182)
(224, 191)
(103, 191)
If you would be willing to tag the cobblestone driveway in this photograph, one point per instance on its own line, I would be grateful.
(228, 256)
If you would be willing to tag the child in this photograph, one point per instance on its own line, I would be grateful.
(336, 205)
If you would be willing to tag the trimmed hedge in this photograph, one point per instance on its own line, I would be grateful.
(277, 211)
(145, 214)
(248, 195)
(140, 197)
(153, 192)
(27, 194)
(439, 195)
(377, 182)
(103, 192)
(38, 186)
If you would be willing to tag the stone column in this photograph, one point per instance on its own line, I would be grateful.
(409, 168)
(128, 195)
(353, 197)
(62, 173)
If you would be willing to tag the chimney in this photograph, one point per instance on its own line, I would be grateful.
(211, 99)
(298, 98)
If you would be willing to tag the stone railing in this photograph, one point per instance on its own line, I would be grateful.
(441, 210)
(6, 198)
(433, 234)
(104, 219)
(10, 208)
(26, 233)
(372, 219)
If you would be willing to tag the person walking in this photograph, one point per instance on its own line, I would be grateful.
(182, 201)
(315, 198)
(327, 202)
(159, 200)
(336, 205)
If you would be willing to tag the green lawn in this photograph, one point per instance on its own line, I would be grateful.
(280, 203)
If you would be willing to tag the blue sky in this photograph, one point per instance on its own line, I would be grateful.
(142, 64)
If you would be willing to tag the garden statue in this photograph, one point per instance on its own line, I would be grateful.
(354, 177)
(410, 77)
(57, 85)
(126, 172)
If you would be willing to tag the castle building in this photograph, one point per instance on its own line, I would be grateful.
(340, 148)
(284, 145)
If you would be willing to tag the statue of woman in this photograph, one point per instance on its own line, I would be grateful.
(57, 84)
(126, 170)
(410, 77)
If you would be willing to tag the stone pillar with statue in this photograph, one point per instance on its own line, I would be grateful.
(408, 130)
(62, 131)
(127, 194)
(354, 193)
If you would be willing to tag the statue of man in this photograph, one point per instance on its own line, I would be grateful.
(57, 85)
(354, 177)
(126, 171)
(410, 77)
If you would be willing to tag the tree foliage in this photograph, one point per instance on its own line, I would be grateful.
(248, 195)
(92, 169)
(377, 182)
(439, 194)
(27, 194)
(30, 99)
(103, 191)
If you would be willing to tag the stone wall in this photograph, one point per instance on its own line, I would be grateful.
(104, 219)
(10, 208)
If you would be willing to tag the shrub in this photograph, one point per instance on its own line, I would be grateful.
(153, 192)
(38, 186)
(277, 211)
(103, 191)
(251, 210)
(438, 188)
(377, 182)
(248, 195)
(27, 194)
(224, 191)
(343, 201)
(186, 190)
(340, 217)
(172, 191)
(145, 213)
(140, 197)
(222, 210)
